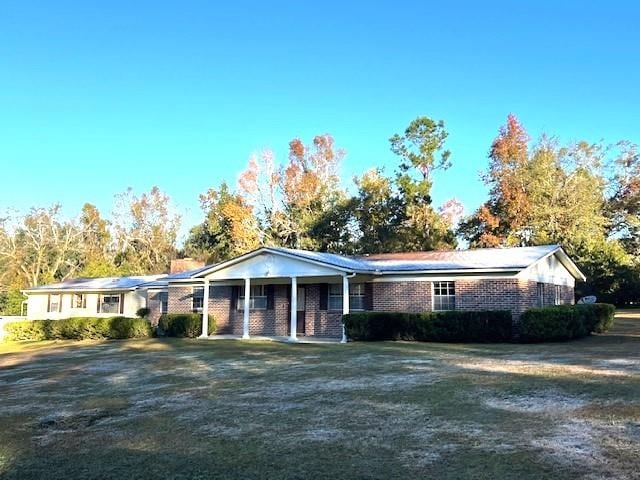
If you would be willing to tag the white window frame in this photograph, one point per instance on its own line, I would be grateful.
(110, 304)
(356, 297)
(540, 294)
(58, 304)
(163, 297)
(197, 297)
(443, 302)
(557, 299)
(83, 301)
(257, 298)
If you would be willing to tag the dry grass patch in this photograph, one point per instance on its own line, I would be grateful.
(193, 409)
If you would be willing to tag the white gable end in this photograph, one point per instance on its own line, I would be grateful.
(270, 265)
(549, 270)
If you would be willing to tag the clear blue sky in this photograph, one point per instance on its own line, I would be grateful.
(96, 98)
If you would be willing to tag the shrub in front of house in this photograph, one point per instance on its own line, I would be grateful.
(143, 312)
(449, 326)
(79, 328)
(604, 316)
(565, 322)
(184, 324)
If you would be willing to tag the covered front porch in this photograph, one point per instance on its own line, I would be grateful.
(294, 307)
(278, 296)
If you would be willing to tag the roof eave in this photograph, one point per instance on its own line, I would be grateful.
(451, 271)
(77, 290)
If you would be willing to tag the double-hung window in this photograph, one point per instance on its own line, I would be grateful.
(54, 303)
(197, 299)
(540, 294)
(356, 296)
(257, 298)
(444, 296)
(164, 302)
(110, 304)
(79, 300)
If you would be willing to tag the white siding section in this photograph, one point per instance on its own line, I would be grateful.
(37, 304)
(548, 270)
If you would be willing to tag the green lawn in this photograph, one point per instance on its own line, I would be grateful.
(202, 409)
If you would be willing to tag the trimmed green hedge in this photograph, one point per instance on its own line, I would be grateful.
(451, 326)
(78, 328)
(184, 324)
(565, 322)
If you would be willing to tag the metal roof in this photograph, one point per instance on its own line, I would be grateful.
(340, 261)
(477, 259)
(481, 259)
(91, 284)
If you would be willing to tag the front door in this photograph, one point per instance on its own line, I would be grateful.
(300, 313)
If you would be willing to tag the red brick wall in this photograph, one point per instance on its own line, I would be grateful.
(513, 294)
(180, 299)
(321, 323)
(219, 306)
(153, 304)
(413, 296)
(264, 322)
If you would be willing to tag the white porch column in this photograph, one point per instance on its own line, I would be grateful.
(245, 318)
(345, 304)
(294, 309)
(205, 310)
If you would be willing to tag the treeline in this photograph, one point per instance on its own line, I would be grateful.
(583, 196)
(43, 247)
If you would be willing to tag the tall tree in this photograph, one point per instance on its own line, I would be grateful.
(624, 203)
(310, 188)
(503, 216)
(379, 212)
(229, 229)
(146, 229)
(40, 247)
(421, 150)
(97, 247)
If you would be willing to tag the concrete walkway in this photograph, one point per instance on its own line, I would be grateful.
(300, 339)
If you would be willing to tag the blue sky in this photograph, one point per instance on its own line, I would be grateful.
(96, 98)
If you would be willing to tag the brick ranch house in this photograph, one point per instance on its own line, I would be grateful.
(286, 292)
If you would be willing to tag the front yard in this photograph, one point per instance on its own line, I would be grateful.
(227, 409)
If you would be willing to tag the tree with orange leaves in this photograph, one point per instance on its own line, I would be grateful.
(500, 219)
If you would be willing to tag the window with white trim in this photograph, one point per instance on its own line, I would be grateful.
(197, 299)
(356, 296)
(444, 296)
(110, 304)
(54, 303)
(257, 298)
(164, 302)
(79, 300)
(558, 295)
(540, 294)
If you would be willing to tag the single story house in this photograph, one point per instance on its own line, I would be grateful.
(276, 291)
